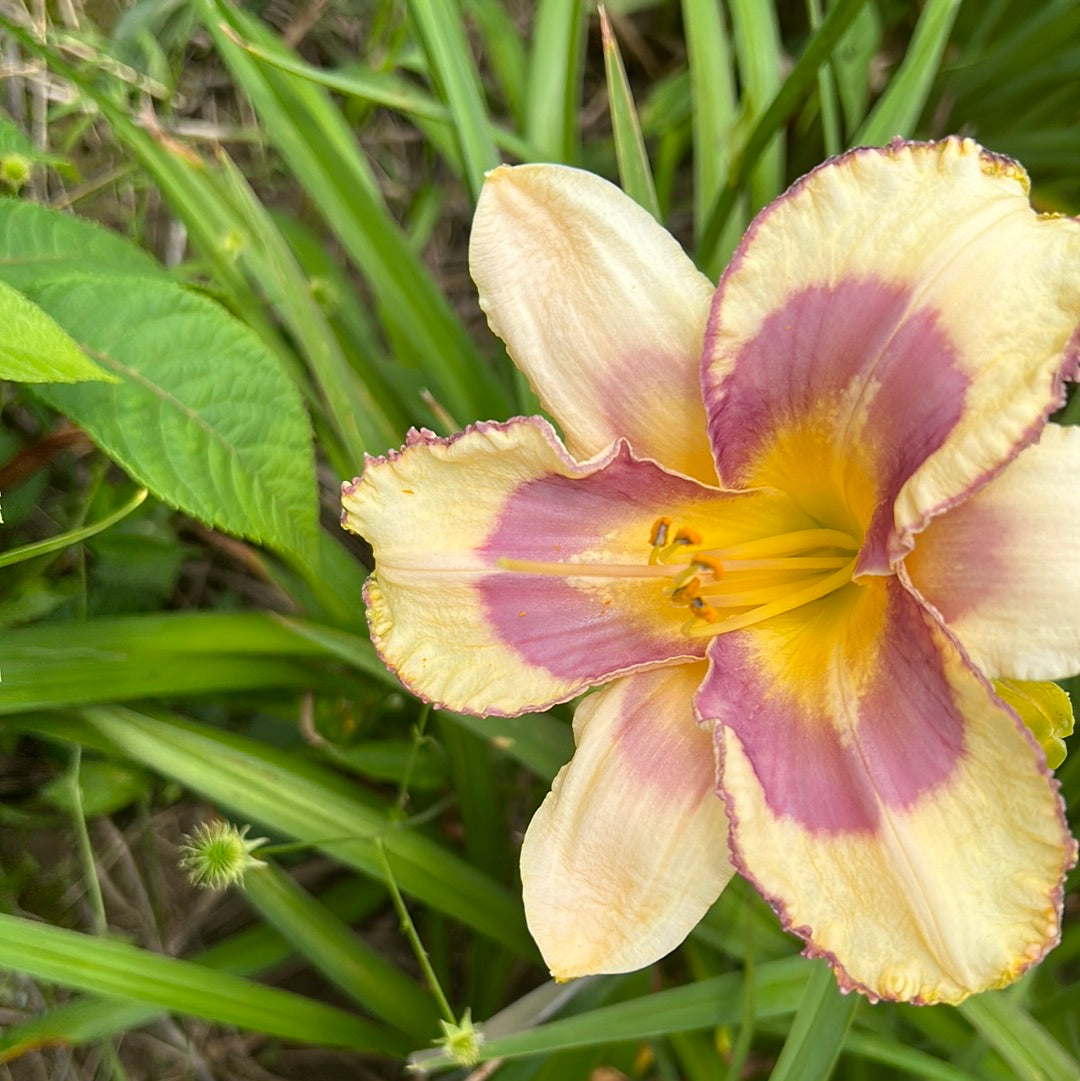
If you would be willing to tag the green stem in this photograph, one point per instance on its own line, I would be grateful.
(86, 852)
(409, 929)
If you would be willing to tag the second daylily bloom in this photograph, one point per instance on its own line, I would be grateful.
(797, 528)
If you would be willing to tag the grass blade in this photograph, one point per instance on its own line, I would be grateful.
(75, 536)
(443, 37)
(898, 109)
(634, 172)
(298, 798)
(787, 100)
(554, 85)
(1024, 1044)
(758, 49)
(705, 1004)
(715, 115)
(49, 665)
(344, 958)
(110, 967)
(816, 1036)
(319, 146)
(89, 1019)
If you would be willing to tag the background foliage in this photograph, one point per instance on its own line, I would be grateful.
(275, 286)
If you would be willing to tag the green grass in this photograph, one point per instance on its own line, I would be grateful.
(286, 227)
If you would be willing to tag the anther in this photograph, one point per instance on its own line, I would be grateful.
(687, 593)
(703, 610)
(709, 564)
(658, 536)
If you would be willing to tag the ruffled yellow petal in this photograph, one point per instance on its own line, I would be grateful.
(890, 332)
(895, 814)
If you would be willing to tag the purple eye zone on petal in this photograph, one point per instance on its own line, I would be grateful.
(858, 338)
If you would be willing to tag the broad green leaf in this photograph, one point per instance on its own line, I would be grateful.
(110, 967)
(34, 349)
(202, 414)
(38, 244)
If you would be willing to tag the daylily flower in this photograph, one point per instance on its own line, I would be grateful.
(797, 528)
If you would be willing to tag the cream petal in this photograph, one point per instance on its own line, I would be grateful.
(629, 849)
(872, 781)
(891, 331)
(599, 307)
(1002, 567)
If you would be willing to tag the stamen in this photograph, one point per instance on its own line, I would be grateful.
(788, 563)
(800, 540)
(709, 564)
(687, 592)
(815, 590)
(704, 611)
(752, 581)
(658, 536)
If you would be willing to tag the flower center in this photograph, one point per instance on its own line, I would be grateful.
(727, 588)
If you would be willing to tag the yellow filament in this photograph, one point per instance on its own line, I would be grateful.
(821, 587)
(800, 540)
(764, 577)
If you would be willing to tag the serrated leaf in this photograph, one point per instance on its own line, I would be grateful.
(37, 244)
(34, 349)
(202, 414)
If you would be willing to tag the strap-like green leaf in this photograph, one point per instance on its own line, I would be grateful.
(108, 967)
(634, 172)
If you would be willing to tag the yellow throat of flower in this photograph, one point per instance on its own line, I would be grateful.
(726, 588)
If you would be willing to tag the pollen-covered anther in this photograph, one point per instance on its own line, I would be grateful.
(703, 611)
(685, 592)
(665, 544)
(658, 538)
(709, 565)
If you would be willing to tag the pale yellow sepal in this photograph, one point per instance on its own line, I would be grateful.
(1046, 710)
